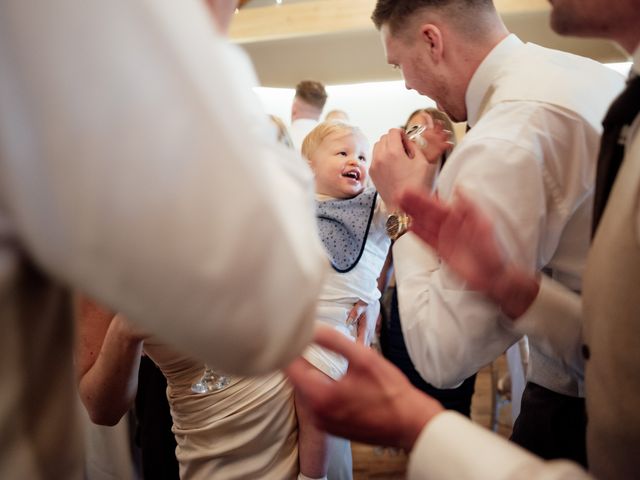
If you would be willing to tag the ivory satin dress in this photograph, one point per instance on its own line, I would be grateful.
(247, 430)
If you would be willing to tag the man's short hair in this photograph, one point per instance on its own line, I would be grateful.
(396, 13)
(312, 92)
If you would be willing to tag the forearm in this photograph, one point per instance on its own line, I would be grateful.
(109, 387)
(184, 216)
(450, 333)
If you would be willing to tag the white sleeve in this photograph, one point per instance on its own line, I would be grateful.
(554, 323)
(451, 331)
(451, 447)
(137, 166)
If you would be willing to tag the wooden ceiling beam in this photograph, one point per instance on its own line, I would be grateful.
(321, 17)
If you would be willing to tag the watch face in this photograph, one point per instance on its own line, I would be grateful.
(397, 224)
(393, 226)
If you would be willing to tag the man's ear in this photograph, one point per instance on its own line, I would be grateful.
(431, 35)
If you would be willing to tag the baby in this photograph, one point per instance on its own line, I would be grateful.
(351, 219)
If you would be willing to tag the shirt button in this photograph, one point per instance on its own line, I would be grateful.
(586, 353)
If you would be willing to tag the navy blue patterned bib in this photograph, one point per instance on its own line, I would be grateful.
(344, 227)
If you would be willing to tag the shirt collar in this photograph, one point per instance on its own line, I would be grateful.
(305, 121)
(485, 74)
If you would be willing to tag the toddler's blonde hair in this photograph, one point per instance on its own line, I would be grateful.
(316, 136)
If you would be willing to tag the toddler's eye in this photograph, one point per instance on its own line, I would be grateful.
(344, 154)
(362, 158)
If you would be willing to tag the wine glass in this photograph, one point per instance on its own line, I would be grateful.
(211, 381)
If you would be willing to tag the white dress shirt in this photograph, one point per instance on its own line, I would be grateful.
(299, 129)
(452, 447)
(136, 166)
(529, 163)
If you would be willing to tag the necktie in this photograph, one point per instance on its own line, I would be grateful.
(616, 123)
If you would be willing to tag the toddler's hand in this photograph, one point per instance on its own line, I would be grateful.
(358, 317)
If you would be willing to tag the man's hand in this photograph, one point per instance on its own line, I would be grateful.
(399, 164)
(464, 237)
(373, 403)
(436, 140)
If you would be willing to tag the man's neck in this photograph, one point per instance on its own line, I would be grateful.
(302, 110)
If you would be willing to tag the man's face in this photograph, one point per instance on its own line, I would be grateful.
(420, 72)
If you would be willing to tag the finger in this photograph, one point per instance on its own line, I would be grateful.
(396, 139)
(425, 209)
(408, 146)
(353, 315)
(362, 329)
(427, 213)
(417, 200)
(380, 145)
(361, 337)
(467, 209)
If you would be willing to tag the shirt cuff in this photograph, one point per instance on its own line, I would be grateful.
(452, 447)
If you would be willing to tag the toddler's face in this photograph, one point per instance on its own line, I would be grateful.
(340, 165)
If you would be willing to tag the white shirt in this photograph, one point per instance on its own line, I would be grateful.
(299, 129)
(529, 163)
(136, 166)
(452, 447)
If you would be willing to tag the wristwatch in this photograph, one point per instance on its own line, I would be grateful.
(397, 224)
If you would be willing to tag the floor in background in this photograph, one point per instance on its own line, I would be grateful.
(371, 463)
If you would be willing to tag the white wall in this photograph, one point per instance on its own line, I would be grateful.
(374, 107)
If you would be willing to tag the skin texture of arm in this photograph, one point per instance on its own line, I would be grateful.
(108, 354)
